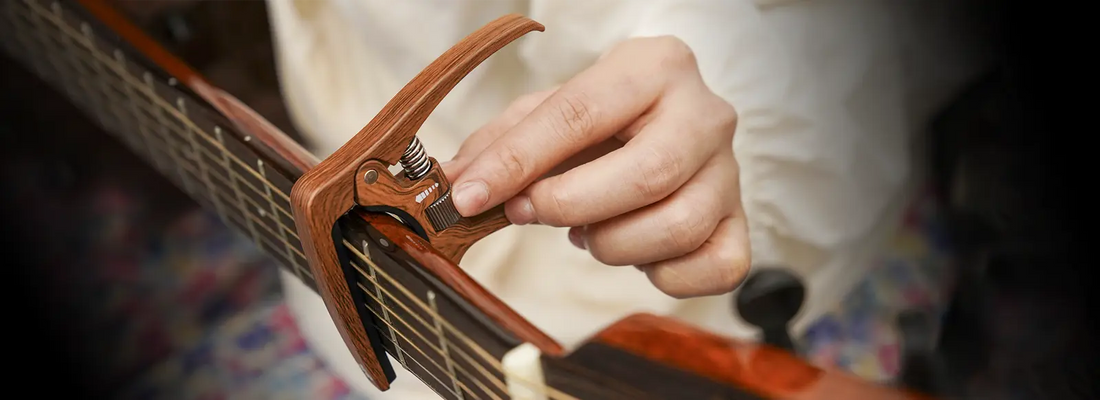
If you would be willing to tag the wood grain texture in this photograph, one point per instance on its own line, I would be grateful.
(651, 343)
(761, 370)
(327, 191)
(400, 193)
(433, 261)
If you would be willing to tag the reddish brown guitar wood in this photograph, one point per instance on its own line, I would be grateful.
(327, 191)
(439, 265)
(398, 192)
(334, 187)
(766, 371)
(290, 155)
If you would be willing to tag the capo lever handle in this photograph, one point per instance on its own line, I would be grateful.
(339, 183)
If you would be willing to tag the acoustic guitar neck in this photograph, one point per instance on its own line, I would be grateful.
(416, 306)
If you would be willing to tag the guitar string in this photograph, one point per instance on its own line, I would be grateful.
(361, 271)
(190, 170)
(283, 226)
(138, 117)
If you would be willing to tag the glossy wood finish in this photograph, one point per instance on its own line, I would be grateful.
(396, 192)
(439, 265)
(328, 190)
(753, 370)
(455, 340)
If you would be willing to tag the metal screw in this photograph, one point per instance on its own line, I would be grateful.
(370, 176)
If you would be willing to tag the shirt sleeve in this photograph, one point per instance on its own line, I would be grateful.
(822, 138)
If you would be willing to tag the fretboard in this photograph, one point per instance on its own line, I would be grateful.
(425, 326)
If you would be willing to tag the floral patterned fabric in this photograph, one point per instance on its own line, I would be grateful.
(196, 310)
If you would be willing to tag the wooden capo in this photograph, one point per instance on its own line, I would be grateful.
(357, 175)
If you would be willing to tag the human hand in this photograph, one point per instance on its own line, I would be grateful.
(634, 154)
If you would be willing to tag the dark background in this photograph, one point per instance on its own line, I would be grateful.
(1021, 328)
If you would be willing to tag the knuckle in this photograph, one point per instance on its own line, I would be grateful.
(601, 245)
(659, 172)
(725, 116)
(731, 266)
(513, 162)
(672, 282)
(684, 228)
(551, 203)
(668, 51)
(577, 115)
(675, 53)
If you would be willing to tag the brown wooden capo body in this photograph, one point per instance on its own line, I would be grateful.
(336, 185)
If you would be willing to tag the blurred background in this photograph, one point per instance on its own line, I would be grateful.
(153, 298)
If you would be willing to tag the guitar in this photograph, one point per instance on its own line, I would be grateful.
(382, 249)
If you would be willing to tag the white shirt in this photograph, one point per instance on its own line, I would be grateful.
(830, 95)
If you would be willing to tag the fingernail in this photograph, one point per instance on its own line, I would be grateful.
(520, 211)
(470, 197)
(576, 236)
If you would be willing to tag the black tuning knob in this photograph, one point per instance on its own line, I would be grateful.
(769, 299)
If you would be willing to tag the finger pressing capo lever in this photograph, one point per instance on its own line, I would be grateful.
(420, 196)
(357, 175)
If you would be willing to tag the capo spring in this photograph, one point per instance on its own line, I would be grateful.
(415, 161)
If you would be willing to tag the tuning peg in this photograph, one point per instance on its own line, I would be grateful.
(769, 299)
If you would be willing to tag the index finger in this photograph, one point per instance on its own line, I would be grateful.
(588, 109)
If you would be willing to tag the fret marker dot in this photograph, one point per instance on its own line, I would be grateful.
(172, 81)
(262, 212)
(248, 138)
(384, 242)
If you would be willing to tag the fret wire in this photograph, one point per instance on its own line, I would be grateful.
(106, 90)
(197, 157)
(250, 219)
(385, 312)
(78, 79)
(393, 331)
(442, 340)
(236, 189)
(282, 229)
(476, 379)
(377, 284)
(162, 105)
(456, 391)
(492, 361)
(67, 30)
(404, 306)
(393, 339)
(552, 393)
(488, 357)
(120, 59)
(205, 169)
(207, 174)
(172, 150)
(44, 59)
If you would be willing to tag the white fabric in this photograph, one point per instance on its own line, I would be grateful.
(827, 114)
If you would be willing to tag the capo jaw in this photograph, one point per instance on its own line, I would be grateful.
(357, 175)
